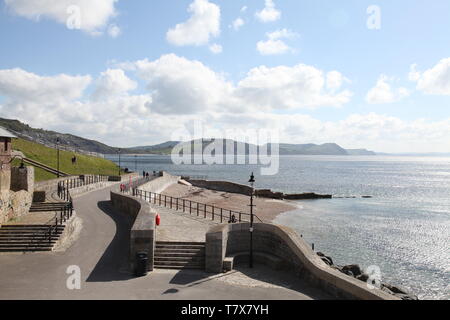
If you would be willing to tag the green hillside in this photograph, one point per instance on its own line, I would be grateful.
(85, 164)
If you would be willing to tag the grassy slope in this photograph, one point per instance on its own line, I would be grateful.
(45, 155)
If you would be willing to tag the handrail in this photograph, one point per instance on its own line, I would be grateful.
(200, 209)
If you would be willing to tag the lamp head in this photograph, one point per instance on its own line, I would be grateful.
(252, 179)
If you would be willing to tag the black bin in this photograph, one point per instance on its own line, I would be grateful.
(141, 264)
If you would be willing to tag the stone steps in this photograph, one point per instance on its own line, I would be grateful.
(179, 255)
(28, 238)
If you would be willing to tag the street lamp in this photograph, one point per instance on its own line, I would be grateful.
(57, 155)
(252, 182)
(119, 162)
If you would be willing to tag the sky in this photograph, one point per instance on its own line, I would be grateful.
(363, 74)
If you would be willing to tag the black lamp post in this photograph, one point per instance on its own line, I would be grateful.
(119, 162)
(57, 155)
(252, 181)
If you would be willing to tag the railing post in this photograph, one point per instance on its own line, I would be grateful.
(205, 211)
(183, 205)
(221, 215)
(198, 213)
(213, 213)
(190, 207)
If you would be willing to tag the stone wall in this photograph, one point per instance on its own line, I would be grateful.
(16, 202)
(158, 185)
(224, 186)
(142, 233)
(22, 179)
(295, 253)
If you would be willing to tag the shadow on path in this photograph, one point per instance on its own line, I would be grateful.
(113, 265)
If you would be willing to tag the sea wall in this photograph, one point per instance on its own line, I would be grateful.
(159, 184)
(224, 186)
(297, 257)
(142, 233)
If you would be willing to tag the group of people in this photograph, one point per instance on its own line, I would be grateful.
(145, 174)
(123, 187)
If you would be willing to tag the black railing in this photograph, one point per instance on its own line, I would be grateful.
(65, 185)
(194, 208)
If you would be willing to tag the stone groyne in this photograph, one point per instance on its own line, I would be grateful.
(232, 187)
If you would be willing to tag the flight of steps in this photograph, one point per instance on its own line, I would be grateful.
(28, 238)
(179, 255)
(48, 206)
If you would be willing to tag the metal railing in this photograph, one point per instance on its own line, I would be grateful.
(193, 208)
(65, 185)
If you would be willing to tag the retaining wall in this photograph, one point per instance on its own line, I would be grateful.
(158, 185)
(297, 256)
(142, 233)
(224, 186)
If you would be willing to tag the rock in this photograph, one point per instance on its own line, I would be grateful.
(307, 196)
(353, 268)
(325, 258)
(395, 289)
(406, 296)
(385, 289)
(363, 277)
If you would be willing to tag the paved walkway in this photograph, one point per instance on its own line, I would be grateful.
(179, 226)
(101, 254)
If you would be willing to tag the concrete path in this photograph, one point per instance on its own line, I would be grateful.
(101, 252)
(179, 226)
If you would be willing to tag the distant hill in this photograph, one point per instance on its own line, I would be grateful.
(82, 145)
(48, 138)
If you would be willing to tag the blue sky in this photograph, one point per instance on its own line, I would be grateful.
(377, 103)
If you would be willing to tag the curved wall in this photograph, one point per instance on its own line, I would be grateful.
(142, 233)
(297, 256)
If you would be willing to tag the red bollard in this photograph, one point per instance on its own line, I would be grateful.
(158, 219)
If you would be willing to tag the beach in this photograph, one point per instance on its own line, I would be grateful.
(266, 209)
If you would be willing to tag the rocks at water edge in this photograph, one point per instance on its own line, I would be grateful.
(355, 271)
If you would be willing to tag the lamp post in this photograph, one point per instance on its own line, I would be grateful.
(57, 156)
(118, 150)
(252, 181)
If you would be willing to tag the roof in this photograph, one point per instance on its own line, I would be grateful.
(6, 134)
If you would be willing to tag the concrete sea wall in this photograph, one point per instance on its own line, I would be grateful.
(158, 185)
(295, 253)
(142, 233)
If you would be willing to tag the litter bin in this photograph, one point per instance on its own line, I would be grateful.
(141, 264)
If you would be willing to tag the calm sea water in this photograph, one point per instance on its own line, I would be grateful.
(404, 228)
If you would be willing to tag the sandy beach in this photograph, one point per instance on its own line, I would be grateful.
(266, 209)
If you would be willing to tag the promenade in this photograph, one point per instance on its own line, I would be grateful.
(101, 253)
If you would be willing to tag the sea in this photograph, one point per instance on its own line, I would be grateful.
(389, 212)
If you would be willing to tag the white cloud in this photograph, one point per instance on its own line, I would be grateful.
(244, 9)
(274, 45)
(384, 93)
(94, 15)
(111, 83)
(435, 81)
(283, 87)
(335, 80)
(216, 48)
(183, 86)
(269, 13)
(237, 24)
(20, 85)
(203, 24)
(114, 31)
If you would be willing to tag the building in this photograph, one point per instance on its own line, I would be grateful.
(5, 158)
